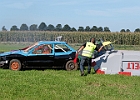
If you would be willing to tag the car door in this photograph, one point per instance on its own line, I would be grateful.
(36, 58)
(62, 54)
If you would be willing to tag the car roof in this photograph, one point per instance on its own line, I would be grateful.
(50, 42)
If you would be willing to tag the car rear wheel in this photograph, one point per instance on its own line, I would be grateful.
(70, 65)
(15, 64)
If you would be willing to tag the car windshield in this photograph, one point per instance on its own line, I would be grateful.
(30, 47)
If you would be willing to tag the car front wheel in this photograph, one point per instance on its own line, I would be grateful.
(15, 65)
(70, 65)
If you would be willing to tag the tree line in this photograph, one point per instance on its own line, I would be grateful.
(58, 27)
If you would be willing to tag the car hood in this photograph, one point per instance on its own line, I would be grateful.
(13, 52)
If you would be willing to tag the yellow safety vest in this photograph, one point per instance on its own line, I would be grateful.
(88, 50)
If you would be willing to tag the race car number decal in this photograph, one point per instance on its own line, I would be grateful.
(133, 65)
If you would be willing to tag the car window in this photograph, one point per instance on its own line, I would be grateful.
(43, 49)
(108, 47)
(30, 47)
(61, 48)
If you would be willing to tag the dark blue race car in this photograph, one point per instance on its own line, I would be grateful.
(43, 54)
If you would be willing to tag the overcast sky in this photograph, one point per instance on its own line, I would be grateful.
(115, 14)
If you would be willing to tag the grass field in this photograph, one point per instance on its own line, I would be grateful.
(17, 45)
(12, 46)
(65, 85)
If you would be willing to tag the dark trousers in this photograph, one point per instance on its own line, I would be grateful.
(83, 60)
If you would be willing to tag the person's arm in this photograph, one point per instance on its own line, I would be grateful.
(81, 48)
(100, 48)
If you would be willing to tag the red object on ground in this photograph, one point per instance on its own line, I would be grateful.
(125, 73)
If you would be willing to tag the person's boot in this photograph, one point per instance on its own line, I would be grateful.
(88, 72)
(82, 73)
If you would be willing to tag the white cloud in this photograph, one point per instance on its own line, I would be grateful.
(19, 5)
(98, 12)
(128, 10)
(116, 11)
(64, 3)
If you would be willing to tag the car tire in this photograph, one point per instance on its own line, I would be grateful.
(15, 65)
(70, 65)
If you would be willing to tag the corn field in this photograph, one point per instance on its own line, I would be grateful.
(70, 37)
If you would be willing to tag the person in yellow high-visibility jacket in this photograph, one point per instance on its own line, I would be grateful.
(88, 49)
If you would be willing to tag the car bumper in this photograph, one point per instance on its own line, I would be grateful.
(2, 63)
